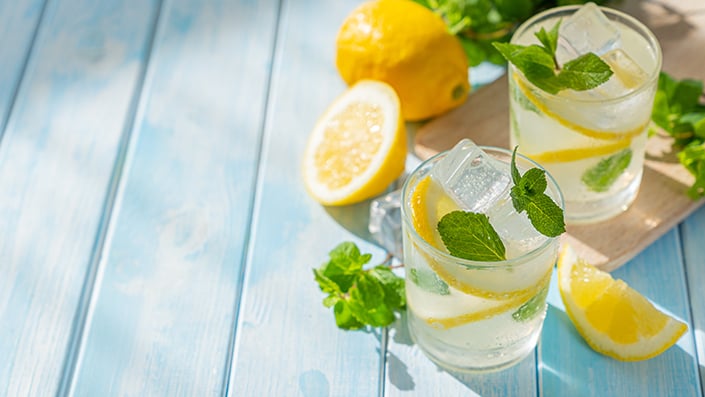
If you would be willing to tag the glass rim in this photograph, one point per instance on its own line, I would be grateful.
(481, 265)
(638, 26)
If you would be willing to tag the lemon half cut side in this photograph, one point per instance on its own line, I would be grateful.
(613, 318)
(358, 146)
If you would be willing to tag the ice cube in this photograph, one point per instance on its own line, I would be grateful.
(627, 73)
(587, 30)
(481, 183)
(471, 177)
(385, 222)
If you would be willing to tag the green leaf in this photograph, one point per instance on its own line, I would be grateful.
(367, 302)
(345, 261)
(533, 182)
(344, 317)
(584, 73)
(516, 176)
(428, 281)
(469, 235)
(392, 286)
(600, 177)
(325, 284)
(549, 39)
(532, 307)
(545, 215)
(534, 62)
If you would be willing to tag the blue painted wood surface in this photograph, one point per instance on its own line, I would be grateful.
(157, 241)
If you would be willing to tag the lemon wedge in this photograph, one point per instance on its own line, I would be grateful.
(358, 146)
(613, 318)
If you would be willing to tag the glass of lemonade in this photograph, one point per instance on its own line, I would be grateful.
(592, 142)
(470, 315)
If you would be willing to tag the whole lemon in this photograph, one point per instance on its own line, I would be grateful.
(409, 47)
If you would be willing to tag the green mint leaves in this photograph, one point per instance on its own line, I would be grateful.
(677, 109)
(429, 281)
(539, 65)
(469, 235)
(359, 297)
(528, 194)
(532, 307)
(600, 177)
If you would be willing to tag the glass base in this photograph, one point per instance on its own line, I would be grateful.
(456, 359)
(586, 212)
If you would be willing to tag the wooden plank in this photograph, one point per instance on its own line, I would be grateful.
(661, 203)
(18, 24)
(56, 160)
(692, 232)
(287, 342)
(569, 367)
(161, 320)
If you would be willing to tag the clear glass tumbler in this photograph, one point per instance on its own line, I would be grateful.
(472, 316)
(592, 142)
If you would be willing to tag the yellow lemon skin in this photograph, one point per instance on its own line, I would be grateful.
(409, 47)
(613, 318)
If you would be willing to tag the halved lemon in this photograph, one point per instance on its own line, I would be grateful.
(358, 146)
(613, 318)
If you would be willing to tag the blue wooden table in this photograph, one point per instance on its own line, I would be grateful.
(156, 239)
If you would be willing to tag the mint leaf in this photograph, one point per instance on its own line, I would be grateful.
(539, 65)
(532, 307)
(344, 317)
(693, 159)
(585, 73)
(392, 286)
(367, 302)
(600, 177)
(359, 297)
(534, 62)
(549, 39)
(469, 235)
(545, 215)
(528, 195)
(428, 281)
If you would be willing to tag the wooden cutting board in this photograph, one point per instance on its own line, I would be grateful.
(662, 202)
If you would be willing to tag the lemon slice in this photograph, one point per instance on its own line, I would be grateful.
(428, 204)
(358, 146)
(592, 133)
(613, 318)
(455, 309)
(580, 153)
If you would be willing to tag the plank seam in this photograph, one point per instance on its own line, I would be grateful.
(86, 299)
(20, 78)
(691, 314)
(252, 207)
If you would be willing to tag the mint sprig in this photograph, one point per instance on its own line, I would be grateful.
(528, 194)
(678, 110)
(540, 66)
(359, 296)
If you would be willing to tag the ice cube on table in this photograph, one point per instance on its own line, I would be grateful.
(587, 30)
(385, 222)
(471, 178)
